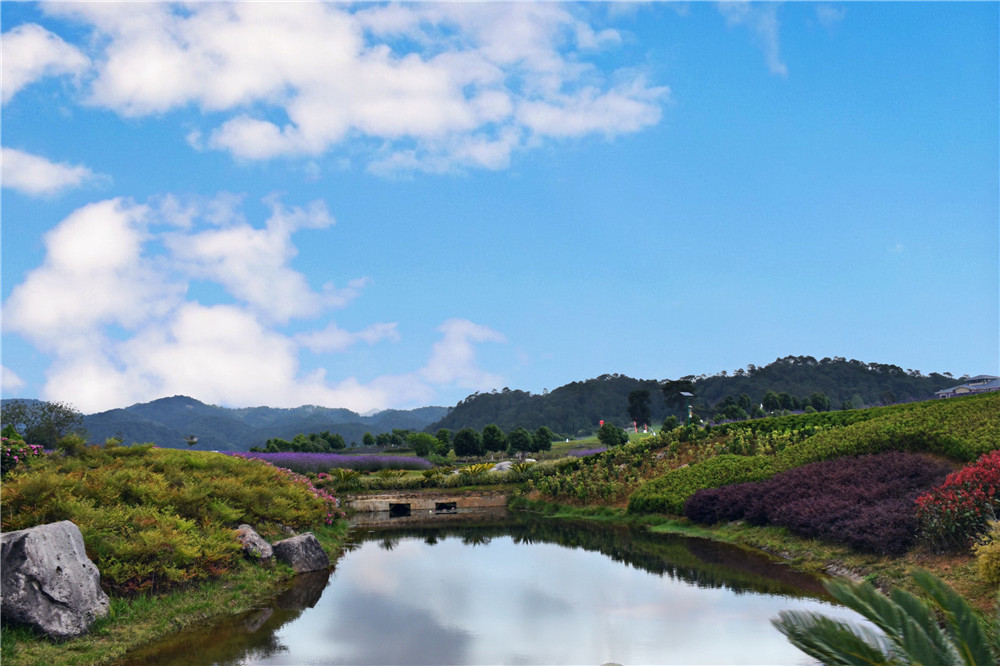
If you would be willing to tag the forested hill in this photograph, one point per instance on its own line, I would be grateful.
(579, 407)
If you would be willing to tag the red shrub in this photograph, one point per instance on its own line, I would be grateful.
(954, 513)
(864, 502)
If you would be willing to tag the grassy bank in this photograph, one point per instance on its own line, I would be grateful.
(136, 621)
(159, 525)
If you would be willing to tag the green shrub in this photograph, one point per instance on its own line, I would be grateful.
(988, 554)
(155, 519)
(667, 494)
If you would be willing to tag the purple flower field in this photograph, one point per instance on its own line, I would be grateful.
(304, 463)
(582, 453)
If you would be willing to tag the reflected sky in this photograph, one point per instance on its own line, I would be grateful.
(509, 603)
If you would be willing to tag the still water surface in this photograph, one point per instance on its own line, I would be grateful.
(520, 591)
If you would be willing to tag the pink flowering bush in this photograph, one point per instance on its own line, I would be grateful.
(15, 453)
(953, 514)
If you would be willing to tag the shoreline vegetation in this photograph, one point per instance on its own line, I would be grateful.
(182, 505)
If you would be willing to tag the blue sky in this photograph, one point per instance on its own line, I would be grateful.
(377, 205)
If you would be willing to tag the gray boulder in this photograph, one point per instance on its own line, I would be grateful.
(254, 545)
(302, 553)
(48, 582)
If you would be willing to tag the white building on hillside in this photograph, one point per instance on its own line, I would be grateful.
(977, 384)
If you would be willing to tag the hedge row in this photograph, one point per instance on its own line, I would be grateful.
(959, 428)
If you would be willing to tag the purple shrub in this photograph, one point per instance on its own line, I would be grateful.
(864, 502)
(305, 463)
(583, 453)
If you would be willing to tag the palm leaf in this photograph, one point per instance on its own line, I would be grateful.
(963, 625)
(833, 642)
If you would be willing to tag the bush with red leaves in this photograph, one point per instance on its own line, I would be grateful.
(956, 512)
(865, 502)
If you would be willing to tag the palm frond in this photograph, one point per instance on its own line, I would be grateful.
(964, 628)
(833, 642)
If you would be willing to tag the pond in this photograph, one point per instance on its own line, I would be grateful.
(519, 590)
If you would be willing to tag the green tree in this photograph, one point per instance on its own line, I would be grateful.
(368, 439)
(672, 391)
(467, 443)
(335, 441)
(732, 413)
(520, 441)
(494, 440)
(41, 422)
(611, 435)
(911, 632)
(819, 402)
(771, 402)
(422, 443)
(542, 439)
(744, 402)
(638, 406)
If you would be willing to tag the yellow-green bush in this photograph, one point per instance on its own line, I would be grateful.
(153, 519)
(988, 554)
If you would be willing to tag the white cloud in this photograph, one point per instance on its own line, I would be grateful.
(30, 52)
(335, 339)
(111, 305)
(453, 357)
(830, 16)
(36, 176)
(253, 264)
(762, 21)
(11, 381)
(432, 86)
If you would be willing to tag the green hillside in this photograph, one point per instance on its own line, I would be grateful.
(579, 407)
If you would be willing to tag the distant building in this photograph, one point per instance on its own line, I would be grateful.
(977, 384)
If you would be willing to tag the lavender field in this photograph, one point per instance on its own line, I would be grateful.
(304, 463)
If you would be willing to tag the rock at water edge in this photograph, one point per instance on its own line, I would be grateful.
(302, 553)
(48, 582)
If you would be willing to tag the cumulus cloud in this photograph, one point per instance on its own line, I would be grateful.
(36, 176)
(762, 21)
(430, 86)
(335, 339)
(30, 52)
(11, 381)
(113, 305)
(453, 357)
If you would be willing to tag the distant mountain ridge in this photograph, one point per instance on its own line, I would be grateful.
(573, 409)
(169, 421)
(578, 408)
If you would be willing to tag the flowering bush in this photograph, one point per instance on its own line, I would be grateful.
(14, 453)
(956, 512)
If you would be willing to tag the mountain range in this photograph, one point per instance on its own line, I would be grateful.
(574, 409)
(170, 421)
